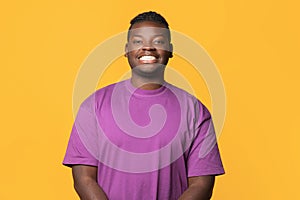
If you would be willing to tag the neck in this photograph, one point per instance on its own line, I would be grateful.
(147, 83)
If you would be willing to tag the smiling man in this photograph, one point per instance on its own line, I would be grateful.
(144, 138)
(148, 51)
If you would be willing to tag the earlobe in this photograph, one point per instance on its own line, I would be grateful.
(126, 50)
(171, 51)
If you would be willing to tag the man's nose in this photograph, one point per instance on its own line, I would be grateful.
(148, 47)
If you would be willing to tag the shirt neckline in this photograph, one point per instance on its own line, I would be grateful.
(141, 92)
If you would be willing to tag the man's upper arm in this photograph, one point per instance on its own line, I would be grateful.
(200, 188)
(203, 181)
(84, 172)
(204, 184)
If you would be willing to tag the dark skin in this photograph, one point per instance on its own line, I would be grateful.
(148, 39)
(148, 51)
(85, 183)
(200, 188)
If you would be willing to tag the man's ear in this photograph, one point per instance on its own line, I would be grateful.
(171, 50)
(126, 50)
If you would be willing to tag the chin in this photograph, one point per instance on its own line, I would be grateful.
(149, 69)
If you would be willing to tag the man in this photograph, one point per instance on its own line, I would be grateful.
(144, 138)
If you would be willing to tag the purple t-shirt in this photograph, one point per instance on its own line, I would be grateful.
(145, 143)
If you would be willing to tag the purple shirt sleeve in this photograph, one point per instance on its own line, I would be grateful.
(204, 156)
(77, 153)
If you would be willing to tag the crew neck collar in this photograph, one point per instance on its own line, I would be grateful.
(142, 92)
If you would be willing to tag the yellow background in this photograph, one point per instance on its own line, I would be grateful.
(255, 45)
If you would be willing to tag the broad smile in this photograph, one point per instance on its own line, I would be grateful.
(147, 59)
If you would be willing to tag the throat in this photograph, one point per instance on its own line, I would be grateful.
(148, 84)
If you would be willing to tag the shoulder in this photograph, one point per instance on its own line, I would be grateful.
(184, 96)
(99, 96)
(193, 104)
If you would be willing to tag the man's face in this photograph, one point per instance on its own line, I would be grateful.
(148, 48)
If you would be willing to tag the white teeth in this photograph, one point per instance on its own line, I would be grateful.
(147, 58)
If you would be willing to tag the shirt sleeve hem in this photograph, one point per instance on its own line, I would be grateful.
(70, 164)
(217, 172)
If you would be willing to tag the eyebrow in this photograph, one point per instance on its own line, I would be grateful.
(136, 35)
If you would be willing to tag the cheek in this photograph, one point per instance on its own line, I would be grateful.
(131, 55)
(166, 55)
(131, 60)
(132, 49)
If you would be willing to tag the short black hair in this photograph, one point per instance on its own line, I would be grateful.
(152, 17)
(149, 16)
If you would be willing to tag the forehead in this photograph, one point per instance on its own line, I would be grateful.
(148, 28)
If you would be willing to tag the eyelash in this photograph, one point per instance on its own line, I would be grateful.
(154, 42)
(159, 42)
(136, 41)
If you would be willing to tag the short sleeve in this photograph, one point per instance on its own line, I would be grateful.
(204, 156)
(83, 129)
(77, 153)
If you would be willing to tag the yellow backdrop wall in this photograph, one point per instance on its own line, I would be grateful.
(255, 45)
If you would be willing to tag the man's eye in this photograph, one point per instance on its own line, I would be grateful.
(159, 42)
(137, 42)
